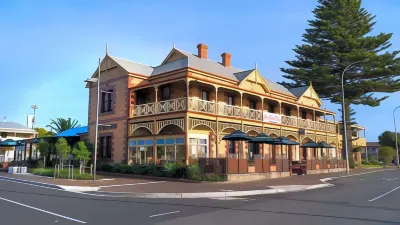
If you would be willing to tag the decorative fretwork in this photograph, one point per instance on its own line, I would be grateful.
(332, 140)
(163, 123)
(289, 121)
(291, 133)
(331, 128)
(172, 105)
(196, 122)
(144, 110)
(223, 126)
(252, 114)
(200, 105)
(247, 128)
(270, 131)
(320, 138)
(229, 110)
(147, 125)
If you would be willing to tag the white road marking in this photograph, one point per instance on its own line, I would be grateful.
(41, 210)
(383, 194)
(162, 214)
(225, 190)
(120, 185)
(108, 179)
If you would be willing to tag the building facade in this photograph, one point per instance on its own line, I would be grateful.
(15, 132)
(181, 109)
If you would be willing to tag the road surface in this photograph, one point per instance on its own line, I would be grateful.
(366, 199)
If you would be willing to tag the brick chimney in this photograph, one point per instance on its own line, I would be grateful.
(202, 51)
(226, 59)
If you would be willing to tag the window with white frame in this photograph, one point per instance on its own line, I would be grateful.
(198, 147)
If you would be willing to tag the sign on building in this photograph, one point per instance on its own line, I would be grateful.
(272, 118)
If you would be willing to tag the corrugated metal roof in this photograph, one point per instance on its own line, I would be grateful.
(133, 67)
(241, 75)
(15, 126)
(299, 91)
(194, 61)
(73, 132)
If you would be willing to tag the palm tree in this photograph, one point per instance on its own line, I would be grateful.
(60, 124)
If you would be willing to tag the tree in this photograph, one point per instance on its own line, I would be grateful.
(62, 149)
(337, 37)
(386, 154)
(81, 152)
(60, 124)
(43, 132)
(43, 147)
(352, 118)
(387, 138)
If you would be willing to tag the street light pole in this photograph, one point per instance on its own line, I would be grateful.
(344, 117)
(395, 136)
(96, 125)
(34, 107)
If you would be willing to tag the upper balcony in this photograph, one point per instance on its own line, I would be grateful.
(196, 104)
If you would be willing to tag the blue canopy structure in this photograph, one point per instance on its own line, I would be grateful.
(74, 132)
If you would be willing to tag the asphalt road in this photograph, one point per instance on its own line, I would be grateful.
(368, 199)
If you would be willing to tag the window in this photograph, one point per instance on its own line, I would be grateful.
(140, 97)
(231, 100)
(304, 115)
(140, 151)
(252, 104)
(3, 135)
(106, 101)
(171, 150)
(205, 95)
(105, 147)
(231, 147)
(271, 108)
(288, 112)
(198, 148)
(253, 150)
(165, 93)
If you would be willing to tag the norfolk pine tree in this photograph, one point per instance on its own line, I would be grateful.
(338, 36)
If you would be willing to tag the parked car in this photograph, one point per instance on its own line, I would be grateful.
(299, 167)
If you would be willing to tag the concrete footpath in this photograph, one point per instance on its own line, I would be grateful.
(117, 186)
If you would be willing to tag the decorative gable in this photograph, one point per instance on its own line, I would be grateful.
(252, 80)
(173, 56)
(310, 97)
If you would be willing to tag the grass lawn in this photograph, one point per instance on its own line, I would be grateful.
(371, 166)
(49, 172)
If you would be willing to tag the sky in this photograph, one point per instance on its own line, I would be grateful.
(48, 48)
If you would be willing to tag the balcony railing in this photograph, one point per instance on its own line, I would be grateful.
(199, 105)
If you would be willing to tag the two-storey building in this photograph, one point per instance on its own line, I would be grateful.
(181, 109)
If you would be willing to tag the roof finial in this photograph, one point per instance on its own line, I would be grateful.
(173, 45)
(106, 49)
(255, 65)
(310, 83)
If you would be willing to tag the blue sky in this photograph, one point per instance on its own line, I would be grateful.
(50, 47)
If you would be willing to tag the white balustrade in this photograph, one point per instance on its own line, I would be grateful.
(200, 105)
(172, 105)
(144, 109)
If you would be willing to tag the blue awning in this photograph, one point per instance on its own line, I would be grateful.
(74, 132)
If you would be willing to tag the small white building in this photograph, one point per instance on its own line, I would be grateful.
(15, 132)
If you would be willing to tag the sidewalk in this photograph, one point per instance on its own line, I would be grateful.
(139, 187)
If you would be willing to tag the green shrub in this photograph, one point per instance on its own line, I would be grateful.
(49, 172)
(213, 177)
(352, 164)
(40, 164)
(193, 172)
(372, 161)
(1, 165)
(175, 170)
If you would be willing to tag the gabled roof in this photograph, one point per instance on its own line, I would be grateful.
(242, 75)
(299, 91)
(195, 62)
(73, 132)
(133, 67)
(15, 126)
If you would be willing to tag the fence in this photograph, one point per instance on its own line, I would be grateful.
(212, 165)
